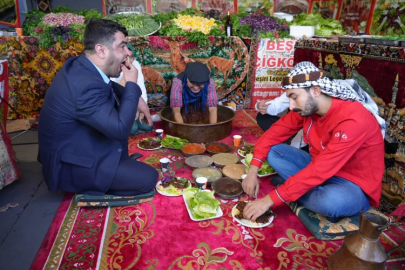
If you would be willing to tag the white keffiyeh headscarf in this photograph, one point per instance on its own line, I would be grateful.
(341, 89)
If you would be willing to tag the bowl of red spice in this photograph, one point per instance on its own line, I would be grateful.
(191, 149)
(216, 147)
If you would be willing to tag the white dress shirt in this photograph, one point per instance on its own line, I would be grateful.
(140, 81)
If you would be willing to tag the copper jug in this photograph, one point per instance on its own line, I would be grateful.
(363, 250)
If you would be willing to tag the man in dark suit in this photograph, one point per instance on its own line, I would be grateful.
(86, 120)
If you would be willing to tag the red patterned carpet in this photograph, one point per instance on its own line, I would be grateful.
(160, 234)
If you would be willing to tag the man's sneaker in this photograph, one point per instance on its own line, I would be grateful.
(276, 180)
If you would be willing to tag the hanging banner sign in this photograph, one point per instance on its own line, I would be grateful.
(274, 60)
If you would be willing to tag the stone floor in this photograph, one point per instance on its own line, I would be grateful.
(23, 228)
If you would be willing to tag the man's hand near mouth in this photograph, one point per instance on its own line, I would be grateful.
(130, 72)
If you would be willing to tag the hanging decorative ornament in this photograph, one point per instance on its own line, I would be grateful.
(44, 5)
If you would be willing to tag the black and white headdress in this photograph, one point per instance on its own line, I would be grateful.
(305, 74)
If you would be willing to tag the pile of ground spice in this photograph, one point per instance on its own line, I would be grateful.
(216, 148)
(193, 149)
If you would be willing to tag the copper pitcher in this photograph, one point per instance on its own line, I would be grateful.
(363, 250)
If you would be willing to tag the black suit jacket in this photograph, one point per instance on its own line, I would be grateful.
(82, 132)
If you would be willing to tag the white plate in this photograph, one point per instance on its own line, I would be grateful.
(164, 193)
(249, 223)
(219, 211)
(149, 149)
(240, 153)
(260, 175)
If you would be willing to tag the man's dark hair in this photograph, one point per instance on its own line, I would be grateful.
(307, 89)
(99, 31)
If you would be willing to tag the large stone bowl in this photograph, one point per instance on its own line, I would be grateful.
(200, 133)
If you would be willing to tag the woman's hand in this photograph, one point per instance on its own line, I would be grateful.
(250, 184)
(177, 115)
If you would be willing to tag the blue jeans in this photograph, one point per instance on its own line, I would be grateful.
(336, 197)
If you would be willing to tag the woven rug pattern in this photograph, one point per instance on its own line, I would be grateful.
(160, 234)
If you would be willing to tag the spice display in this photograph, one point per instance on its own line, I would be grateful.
(216, 148)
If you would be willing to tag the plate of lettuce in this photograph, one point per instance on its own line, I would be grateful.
(201, 204)
(265, 170)
(172, 142)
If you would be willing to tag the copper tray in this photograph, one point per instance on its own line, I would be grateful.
(227, 188)
(199, 133)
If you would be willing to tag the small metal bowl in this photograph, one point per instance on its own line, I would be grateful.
(223, 159)
(199, 161)
(211, 174)
(219, 144)
(227, 188)
(234, 171)
(199, 149)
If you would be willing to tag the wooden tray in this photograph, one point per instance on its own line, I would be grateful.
(351, 39)
(385, 42)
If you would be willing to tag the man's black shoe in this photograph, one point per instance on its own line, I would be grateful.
(276, 180)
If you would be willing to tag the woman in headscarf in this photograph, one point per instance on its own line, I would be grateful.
(193, 96)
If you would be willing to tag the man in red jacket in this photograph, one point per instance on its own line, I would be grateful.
(342, 174)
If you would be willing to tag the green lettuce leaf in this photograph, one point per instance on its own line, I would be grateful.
(265, 169)
(201, 203)
(172, 190)
(173, 142)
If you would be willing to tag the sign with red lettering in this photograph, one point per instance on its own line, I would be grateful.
(273, 61)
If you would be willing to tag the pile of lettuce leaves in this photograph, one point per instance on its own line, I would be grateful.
(201, 203)
(265, 169)
(173, 142)
(323, 27)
